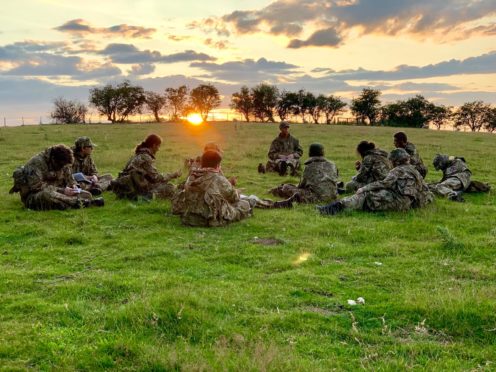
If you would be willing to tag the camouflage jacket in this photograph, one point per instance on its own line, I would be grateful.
(375, 167)
(143, 164)
(39, 174)
(415, 159)
(404, 180)
(285, 146)
(457, 168)
(83, 164)
(320, 177)
(208, 198)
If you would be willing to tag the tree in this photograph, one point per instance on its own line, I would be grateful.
(69, 112)
(155, 103)
(318, 107)
(177, 100)
(264, 101)
(242, 102)
(439, 115)
(491, 124)
(118, 102)
(415, 112)
(366, 106)
(286, 103)
(474, 115)
(204, 98)
(333, 106)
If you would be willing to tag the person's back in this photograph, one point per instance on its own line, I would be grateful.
(409, 182)
(208, 198)
(375, 167)
(320, 177)
(415, 159)
(457, 168)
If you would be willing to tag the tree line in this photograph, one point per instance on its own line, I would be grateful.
(263, 102)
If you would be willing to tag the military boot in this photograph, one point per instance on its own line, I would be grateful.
(288, 204)
(283, 168)
(457, 197)
(96, 202)
(261, 168)
(330, 209)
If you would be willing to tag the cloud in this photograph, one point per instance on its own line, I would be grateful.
(220, 44)
(247, 70)
(483, 64)
(130, 54)
(330, 21)
(19, 51)
(142, 69)
(178, 37)
(79, 27)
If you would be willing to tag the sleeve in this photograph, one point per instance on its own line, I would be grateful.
(67, 175)
(34, 179)
(365, 170)
(92, 168)
(228, 191)
(149, 171)
(298, 151)
(274, 150)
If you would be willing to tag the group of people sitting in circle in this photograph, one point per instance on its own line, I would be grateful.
(61, 178)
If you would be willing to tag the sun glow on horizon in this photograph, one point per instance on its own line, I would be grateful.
(195, 119)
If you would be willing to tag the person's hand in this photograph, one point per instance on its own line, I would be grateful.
(93, 178)
(360, 190)
(71, 191)
(290, 156)
(233, 181)
(358, 164)
(282, 157)
(177, 173)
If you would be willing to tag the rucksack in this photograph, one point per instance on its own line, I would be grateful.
(20, 181)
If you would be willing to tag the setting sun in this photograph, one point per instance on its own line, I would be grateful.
(195, 119)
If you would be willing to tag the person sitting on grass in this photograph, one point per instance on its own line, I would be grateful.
(373, 167)
(402, 189)
(140, 178)
(319, 182)
(401, 142)
(46, 182)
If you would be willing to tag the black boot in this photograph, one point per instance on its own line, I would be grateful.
(288, 204)
(261, 168)
(283, 168)
(457, 197)
(330, 209)
(95, 191)
(97, 202)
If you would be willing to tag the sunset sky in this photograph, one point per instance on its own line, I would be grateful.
(444, 50)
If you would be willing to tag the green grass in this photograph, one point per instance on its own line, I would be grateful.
(127, 287)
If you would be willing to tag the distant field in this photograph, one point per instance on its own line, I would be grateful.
(127, 287)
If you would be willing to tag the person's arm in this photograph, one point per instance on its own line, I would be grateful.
(364, 170)
(386, 183)
(298, 150)
(274, 150)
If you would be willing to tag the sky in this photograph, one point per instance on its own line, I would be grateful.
(443, 50)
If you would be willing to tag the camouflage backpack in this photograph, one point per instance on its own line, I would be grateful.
(20, 182)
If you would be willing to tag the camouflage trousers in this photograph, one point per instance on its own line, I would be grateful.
(125, 188)
(274, 165)
(256, 202)
(447, 188)
(103, 183)
(379, 200)
(51, 198)
(241, 209)
(287, 190)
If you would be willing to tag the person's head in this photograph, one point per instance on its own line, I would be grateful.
(84, 146)
(399, 156)
(364, 147)
(440, 162)
(60, 156)
(152, 142)
(284, 128)
(400, 140)
(212, 146)
(211, 159)
(316, 149)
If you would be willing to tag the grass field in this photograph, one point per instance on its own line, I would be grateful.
(127, 287)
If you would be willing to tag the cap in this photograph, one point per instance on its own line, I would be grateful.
(84, 142)
(283, 124)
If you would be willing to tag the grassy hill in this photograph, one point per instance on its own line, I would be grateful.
(127, 287)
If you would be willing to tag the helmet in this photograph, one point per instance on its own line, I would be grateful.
(399, 156)
(84, 142)
(316, 149)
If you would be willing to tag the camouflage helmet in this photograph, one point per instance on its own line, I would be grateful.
(283, 124)
(399, 156)
(316, 149)
(440, 161)
(212, 146)
(82, 142)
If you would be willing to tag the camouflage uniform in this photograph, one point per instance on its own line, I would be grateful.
(402, 189)
(86, 165)
(456, 178)
(284, 146)
(374, 167)
(42, 187)
(318, 184)
(208, 199)
(141, 178)
(415, 159)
